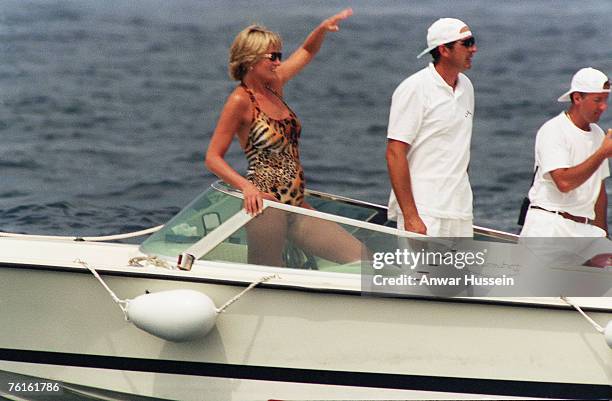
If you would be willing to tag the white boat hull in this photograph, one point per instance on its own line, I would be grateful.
(289, 340)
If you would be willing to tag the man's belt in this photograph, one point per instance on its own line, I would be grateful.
(566, 215)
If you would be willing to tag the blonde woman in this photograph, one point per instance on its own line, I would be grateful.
(268, 132)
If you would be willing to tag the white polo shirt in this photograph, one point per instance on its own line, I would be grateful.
(437, 124)
(560, 144)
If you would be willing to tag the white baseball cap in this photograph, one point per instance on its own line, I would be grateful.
(587, 80)
(445, 30)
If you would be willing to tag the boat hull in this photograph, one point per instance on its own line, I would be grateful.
(292, 342)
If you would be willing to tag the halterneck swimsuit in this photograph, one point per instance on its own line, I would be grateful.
(273, 156)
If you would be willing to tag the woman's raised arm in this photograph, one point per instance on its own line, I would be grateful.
(306, 52)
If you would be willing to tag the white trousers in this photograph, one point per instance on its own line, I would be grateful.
(540, 223)
(439, 227)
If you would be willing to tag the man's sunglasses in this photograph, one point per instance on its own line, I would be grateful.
(273, 56)
(469, 42)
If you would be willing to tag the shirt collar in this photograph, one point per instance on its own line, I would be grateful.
(441, 82)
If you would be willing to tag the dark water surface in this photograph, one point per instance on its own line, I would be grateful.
(108, 106)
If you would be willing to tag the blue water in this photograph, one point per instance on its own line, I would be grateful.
(108, 106)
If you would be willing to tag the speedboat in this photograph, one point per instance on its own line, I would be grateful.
(201, 310)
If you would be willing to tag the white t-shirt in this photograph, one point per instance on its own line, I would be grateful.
(437, 124)
(560, 144)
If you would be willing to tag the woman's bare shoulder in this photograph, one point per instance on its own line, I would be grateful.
(239, 97)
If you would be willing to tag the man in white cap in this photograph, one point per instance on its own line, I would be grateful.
(429, 135)
(568, 196)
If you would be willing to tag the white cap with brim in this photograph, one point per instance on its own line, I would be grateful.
(587, 80)
(445, 30)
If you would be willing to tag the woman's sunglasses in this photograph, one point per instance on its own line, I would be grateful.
(273, 56)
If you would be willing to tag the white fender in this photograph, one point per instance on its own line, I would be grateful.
(177, 315)
(608, 333)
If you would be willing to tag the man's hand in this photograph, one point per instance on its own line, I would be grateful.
(414, 224)
(607, 143)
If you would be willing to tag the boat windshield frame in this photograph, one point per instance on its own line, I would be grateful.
(209, 242)
(478, 230)
(236, 221)
(205, 247)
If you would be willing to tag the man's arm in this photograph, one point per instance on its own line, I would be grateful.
(399, 174)
(567, 179)
(601, 209)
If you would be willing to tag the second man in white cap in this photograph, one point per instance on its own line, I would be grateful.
(429, 135)
(568, 195)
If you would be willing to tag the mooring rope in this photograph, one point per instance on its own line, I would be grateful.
(123, 303)
(143, 261)
(249, 288)
(570, 303)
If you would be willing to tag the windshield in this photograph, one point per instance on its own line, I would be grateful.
(347, 242)
(219, 203)
(207, 212)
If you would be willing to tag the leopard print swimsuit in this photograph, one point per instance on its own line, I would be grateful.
(273, 156)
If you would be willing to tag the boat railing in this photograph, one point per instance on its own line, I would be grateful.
(323, 215)
(479, 231)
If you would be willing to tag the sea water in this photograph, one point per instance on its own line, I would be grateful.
(108, 106)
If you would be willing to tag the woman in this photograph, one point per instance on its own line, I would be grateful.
(268, 132)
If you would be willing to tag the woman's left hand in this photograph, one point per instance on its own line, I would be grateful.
(331, 24)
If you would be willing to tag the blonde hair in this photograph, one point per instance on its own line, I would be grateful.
(248, 46)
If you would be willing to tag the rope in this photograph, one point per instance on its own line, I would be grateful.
(570, 303)
(90, 239)
(122, 304)
(150, 260)
(249, 288)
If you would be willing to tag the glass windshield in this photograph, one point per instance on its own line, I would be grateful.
(279, 237)
(215, 206)
(282, 238)
(207, 212)
(347, 208)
